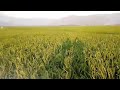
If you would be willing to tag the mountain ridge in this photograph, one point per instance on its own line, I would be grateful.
(97, 19)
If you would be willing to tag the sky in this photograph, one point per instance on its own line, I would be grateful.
(52, 14)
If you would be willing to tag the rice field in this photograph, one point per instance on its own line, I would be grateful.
(64, 52)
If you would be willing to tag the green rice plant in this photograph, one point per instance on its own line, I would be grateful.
(76, 52)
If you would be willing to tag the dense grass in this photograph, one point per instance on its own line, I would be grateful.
(72, 52)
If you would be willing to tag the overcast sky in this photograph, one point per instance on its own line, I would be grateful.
(52, 14)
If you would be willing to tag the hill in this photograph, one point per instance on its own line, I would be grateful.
(100, 19)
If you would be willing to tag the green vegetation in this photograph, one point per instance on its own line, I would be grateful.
(91, 52)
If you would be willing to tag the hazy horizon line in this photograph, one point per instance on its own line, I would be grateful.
(57, 18)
